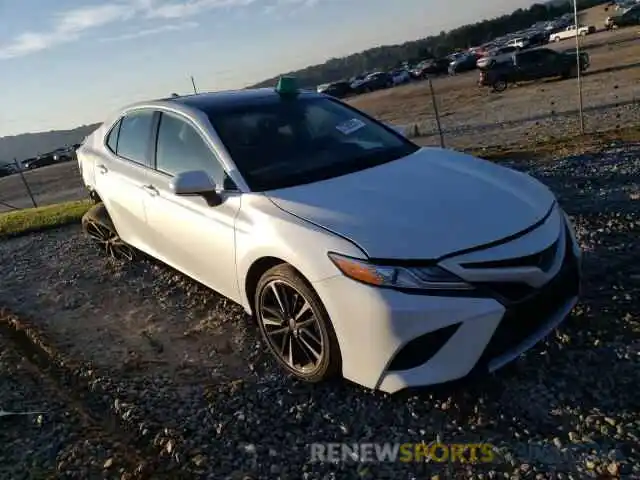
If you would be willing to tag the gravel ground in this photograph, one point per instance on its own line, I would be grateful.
(183, 370)
(56, 437)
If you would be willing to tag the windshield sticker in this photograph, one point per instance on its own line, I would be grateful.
(350, 126)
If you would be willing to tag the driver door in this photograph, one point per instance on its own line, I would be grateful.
(188, 234)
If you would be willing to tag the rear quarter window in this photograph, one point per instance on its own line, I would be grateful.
(112, 137)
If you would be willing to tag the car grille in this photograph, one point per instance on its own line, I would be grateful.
(509, 292)
(542, 260)
(523, 319)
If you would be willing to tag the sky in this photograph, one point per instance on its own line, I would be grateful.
(66, 63)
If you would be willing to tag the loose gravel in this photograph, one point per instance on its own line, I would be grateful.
(46, 434)
(183, 370)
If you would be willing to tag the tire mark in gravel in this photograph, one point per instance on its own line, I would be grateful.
(44, 361)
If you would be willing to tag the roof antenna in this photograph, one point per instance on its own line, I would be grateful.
(193, 82)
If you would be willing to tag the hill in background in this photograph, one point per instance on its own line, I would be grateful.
(30, 144)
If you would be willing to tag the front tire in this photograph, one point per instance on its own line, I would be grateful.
(97, 224)
(295, 325)
(499, 85)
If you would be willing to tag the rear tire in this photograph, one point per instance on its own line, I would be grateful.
(295, 325)
(97, 224)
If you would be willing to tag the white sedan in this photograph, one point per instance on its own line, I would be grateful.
(358, 252)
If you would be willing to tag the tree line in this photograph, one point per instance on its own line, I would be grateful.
(435, 46)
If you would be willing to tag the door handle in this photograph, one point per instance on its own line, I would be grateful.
(102, 169)
(151, 190)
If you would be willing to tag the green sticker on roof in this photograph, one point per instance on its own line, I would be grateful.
(287, 86)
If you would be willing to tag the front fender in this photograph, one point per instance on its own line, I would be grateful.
(265, 230)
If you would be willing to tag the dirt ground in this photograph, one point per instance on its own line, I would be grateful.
(138, 323)
(613, 79)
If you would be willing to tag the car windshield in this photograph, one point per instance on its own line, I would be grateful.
(288, 142)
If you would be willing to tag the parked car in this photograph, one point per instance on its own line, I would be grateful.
(538, 38)
(532, 65)
(356, 81)
(434, 66)
(318, 219)
(462, 64)
(66, 154)
(624, 19)
(497, 55)
(570, 32)
(339, 89)
(519, 43)
(5, 170)
(372, 82)
(400, 76)
(40, 161)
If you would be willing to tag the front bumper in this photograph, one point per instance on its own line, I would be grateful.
(391, 340)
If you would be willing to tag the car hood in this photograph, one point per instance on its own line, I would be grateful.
(423, 206)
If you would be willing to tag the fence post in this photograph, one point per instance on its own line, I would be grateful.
(579, 65)
(435, 111)
(26, 184)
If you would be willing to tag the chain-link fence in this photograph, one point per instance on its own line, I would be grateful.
(22, 187)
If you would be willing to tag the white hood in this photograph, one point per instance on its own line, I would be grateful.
(423, 206)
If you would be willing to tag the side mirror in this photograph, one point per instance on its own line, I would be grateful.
(196, 182)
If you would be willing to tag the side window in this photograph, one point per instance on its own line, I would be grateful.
(528, 58)
(112, 139)
(180, 148)
(133, 138)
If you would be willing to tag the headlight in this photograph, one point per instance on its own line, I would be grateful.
(411, 278)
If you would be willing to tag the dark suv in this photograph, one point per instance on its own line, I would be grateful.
(532, 65)
(628, 18)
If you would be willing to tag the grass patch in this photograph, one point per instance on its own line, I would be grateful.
(29, 220)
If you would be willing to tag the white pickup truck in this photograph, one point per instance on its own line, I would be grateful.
(570, 32)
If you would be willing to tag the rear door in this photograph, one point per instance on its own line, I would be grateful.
(552, 63)
(526, 66)
(121, 175)
(532, 65)
(187, 233)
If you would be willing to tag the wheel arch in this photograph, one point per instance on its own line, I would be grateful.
(94, 196)
(257, 269)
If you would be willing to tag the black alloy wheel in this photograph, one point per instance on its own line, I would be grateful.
(295, 325)
(97, 224)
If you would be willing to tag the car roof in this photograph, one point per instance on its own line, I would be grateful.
(234, 98)
(222, 101)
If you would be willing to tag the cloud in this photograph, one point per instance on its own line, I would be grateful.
(68, 27)
(152, 31)
(172, 10)
(289, 7)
